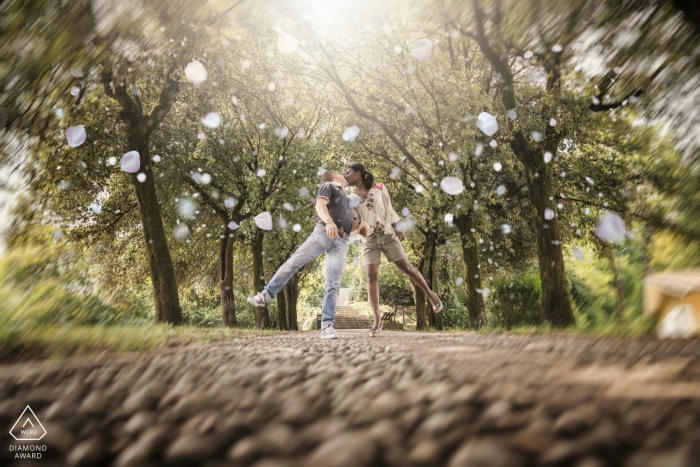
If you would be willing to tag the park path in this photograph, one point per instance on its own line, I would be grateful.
(401, 399)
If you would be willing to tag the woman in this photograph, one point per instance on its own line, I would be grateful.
(375, 207)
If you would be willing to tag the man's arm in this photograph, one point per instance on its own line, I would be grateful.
(322, 211)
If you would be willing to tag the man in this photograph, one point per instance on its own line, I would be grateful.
(336, 220)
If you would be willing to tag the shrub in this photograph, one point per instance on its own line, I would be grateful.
(515, 300)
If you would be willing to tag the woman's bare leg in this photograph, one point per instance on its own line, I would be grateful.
(414, 274)
(372, 271)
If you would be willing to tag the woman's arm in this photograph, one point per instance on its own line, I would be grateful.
(394, 218)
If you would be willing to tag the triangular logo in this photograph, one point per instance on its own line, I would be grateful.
(28, 427)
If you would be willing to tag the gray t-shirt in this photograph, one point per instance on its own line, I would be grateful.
(338, 205)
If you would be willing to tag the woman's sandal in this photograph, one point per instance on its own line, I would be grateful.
(375, 331)
(437, 308)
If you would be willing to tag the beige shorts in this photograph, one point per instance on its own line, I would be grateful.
(382, 243)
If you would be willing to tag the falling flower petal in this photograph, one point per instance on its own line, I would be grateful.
(130, 162)
(595, 100)
(512, 114)
(578, 253)
(552, 122)
(96, 208)
(141, 177)
(351, 133)
(186, 207)
(487, 123)
(156, 158)
(112, 160)
(405, 212)
(493, 143)
(282, 132)
(452, 157)
(421, 49)
(536, 135)
(296, 227)
(419, 188)
(497, 166)
(59, 113)
(506, 228)
(195, 72)
(528, 55)
(459, 281)
(548, 214)
(261, 173)
(287, 43)
(500, 190)
(611, 228)
(283, 223)
(557, 48)
(77, 72)
(304, 192)
(547, 157)
(201, 136)
(264, 220)
(232, 225)
(57, 234)
(75, 91)
(205, 179)
(181, 232)
(450, 185)
(479, 149)
(229, 202)
(449, 217)
(576, 45)
(75, 135)
(288, 207)
(211, 120)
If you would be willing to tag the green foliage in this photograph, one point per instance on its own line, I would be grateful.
(515, 300)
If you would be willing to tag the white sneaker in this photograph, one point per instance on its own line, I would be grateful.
(260, 299)
(329, 332)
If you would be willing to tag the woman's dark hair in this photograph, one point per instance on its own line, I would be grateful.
(367, 177)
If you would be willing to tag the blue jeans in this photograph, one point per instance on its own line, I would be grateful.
(336, 250)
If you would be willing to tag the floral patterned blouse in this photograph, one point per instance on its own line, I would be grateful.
(375, 207)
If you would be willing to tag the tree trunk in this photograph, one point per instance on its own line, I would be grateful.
(472, 279)
(165, 297)
(556, 302)
(292, 291)
(262, 316)
(282, 311)
(228, 305)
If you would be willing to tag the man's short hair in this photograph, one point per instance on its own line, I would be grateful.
(328, 176)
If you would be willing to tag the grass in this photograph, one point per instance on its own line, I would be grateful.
(51, 342)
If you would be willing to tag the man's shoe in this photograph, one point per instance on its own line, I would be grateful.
(329, 333)
(260, 299)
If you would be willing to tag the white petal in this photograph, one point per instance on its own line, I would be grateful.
(195, 72)
(500, 190)
(459, 281)
(304, 192)
(557, 48)
(112, 161)
(493, 143)
(282, 132)
(351, 133)
(229, 202)
(130, 162)
(611, 228)
(450, 185)
(60, 113)
(590, 180)
(576, 45)
(528, 55)
(394, 172)
(487, 123)
(506, 228)
(288, 207)
(497, 166)
(96, 208)
(479, 149)
(264, 220)
(552, 122)
(512, 114)
(156, 158)
(536, 135)
(419, 188)
(296, 228)
(397, 49)
(578, 253)
(449, 217)
(547, 157)
(421, 49)
(211, 120)
(77, 72)
(405, 212)
(287, 43)
(57, 234)
(201, 136)
(261, 173)
(181, 232)
(206, 179)
(141, 177)
(232, 225)
(186, 207)
(548, 214)
(452, 157)
(75, 135)
(75, 91)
